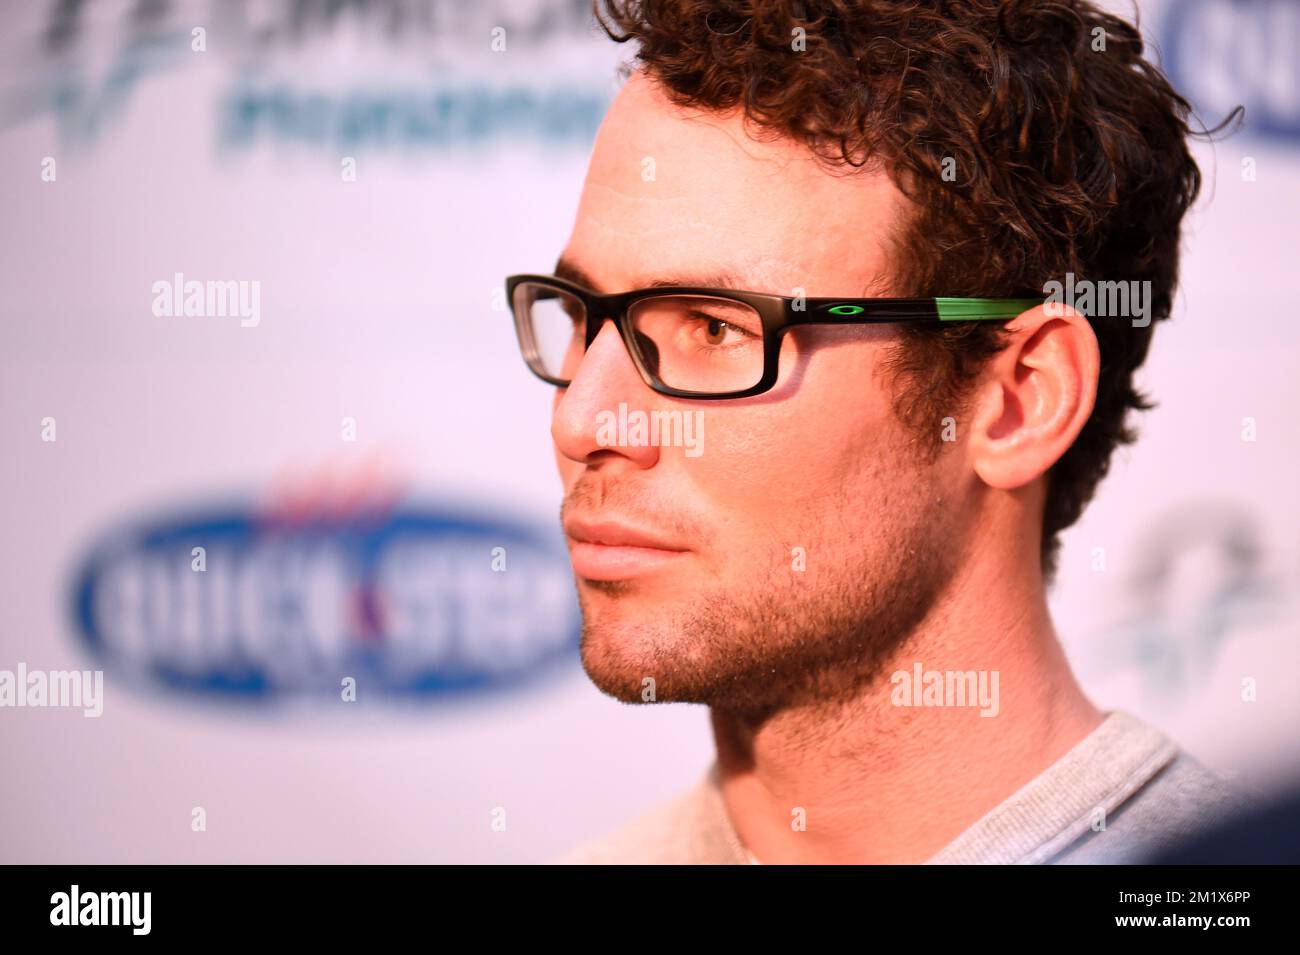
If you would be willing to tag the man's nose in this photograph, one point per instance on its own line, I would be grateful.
(606, 378)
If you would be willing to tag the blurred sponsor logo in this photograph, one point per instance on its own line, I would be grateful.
(401, 75)
(1200, 577)
(412, 602)
(1221, 53)
(430, 116)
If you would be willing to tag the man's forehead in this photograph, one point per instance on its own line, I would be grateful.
(650, 151)
(754, 275)
(672, 192)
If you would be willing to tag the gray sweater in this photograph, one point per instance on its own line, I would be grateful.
(1125, 774)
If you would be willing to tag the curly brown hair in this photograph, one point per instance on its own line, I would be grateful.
(1069, 148)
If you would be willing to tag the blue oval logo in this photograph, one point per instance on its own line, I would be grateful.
(1221, 53)
(418, 602)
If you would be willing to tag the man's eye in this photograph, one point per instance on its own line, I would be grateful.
(715, 331)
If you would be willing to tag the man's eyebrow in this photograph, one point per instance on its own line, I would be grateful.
(570, 271)
(727, 280)
(567, 269)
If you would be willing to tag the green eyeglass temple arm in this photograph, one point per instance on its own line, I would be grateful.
(821, 311)
(782, 310)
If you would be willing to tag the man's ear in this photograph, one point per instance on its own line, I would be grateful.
(1033, 397)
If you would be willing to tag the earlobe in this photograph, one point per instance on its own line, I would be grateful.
(1034, 397)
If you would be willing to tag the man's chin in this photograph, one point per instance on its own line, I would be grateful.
(630, 667)
(618, 686)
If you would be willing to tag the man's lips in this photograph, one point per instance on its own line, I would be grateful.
(609, 550)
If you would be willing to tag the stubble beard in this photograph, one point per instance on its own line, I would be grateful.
(776, 637)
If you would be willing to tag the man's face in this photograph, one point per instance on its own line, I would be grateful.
(810, 534)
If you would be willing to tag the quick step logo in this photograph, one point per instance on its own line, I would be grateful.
(417, 602)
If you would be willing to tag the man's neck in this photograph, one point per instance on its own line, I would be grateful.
(889, 777)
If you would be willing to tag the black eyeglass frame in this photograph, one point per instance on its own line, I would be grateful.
(778, 314)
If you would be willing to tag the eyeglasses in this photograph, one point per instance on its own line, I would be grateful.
(705, 343)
